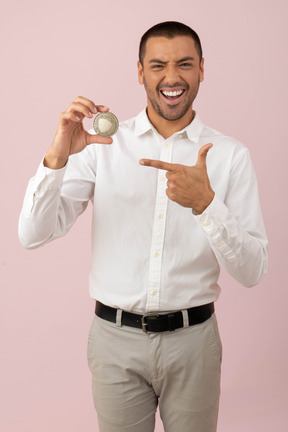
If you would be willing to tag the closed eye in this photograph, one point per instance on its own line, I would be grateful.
(157, 66)
(186, 65)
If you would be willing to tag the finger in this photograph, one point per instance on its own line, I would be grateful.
(101, 108)
(90, 105)
(202, 155)
(67, 116)
(97, 139)
(81, 109)
(158, 164)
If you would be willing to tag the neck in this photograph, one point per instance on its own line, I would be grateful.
(166, 128)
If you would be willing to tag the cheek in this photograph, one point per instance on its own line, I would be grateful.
(193, 80)
(152, 81)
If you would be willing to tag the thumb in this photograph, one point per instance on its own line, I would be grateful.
(202, 155)
(97, 139)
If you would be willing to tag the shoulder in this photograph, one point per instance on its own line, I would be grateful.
(224, 145)
(220, 139)
(228, 152)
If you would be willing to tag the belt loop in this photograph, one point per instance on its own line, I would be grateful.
(185, 318)
(119, 317)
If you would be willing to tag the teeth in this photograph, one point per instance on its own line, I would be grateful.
(172, 93)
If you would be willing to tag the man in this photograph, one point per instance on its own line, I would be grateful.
(161, 228)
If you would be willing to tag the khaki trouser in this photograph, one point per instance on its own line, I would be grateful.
(133, 371)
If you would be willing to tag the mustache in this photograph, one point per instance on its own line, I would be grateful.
(171, 86)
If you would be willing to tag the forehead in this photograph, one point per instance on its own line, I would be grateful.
(166, 49)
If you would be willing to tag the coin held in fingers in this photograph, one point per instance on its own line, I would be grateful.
(105, 124)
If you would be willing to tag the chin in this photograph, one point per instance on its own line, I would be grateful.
(174, 116)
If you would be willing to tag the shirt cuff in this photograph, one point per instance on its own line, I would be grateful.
(212, 221)
(47, 178)
(213, 215)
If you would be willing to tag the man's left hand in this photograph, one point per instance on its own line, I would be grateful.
(189, 186)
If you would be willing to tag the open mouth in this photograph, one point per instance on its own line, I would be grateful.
(172, 96)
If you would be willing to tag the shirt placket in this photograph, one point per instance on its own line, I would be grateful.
(157, 244)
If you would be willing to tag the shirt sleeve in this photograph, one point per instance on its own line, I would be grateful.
(234, 226)
(54, 199)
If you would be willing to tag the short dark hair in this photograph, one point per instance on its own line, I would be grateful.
(169, 29)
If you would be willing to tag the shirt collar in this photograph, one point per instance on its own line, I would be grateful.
(192, 131)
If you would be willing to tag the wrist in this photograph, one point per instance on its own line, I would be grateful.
(203, 206)
(53, 161)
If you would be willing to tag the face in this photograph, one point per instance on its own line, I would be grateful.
(171, 74)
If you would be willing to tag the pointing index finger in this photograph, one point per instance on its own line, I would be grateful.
(158, 164)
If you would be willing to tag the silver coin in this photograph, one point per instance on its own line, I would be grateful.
(105, 124)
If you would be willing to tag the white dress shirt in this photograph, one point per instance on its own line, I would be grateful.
(149, 253)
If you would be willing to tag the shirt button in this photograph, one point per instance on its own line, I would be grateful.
(153, 293)
(207, 223)
(220, 243)
(156, 254)
(167, 144)
(163, 178)
(160, 216)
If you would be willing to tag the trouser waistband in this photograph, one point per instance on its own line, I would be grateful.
(154, 322)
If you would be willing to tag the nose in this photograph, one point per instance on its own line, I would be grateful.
(172, 74)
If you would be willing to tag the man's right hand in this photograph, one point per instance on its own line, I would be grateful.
(71, 137)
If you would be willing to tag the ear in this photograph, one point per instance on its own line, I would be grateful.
(140, 73)
(202, 70)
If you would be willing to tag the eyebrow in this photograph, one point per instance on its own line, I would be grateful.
(178, 61)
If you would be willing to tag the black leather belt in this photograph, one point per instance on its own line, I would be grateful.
(153, 322)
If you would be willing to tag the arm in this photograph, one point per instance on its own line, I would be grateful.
(234, 227)
(64, 183)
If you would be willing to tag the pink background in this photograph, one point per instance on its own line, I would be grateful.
(52, 52)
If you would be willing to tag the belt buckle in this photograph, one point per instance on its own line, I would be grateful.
(144, 323)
